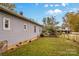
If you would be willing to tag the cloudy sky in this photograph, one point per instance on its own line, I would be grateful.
(39, 10)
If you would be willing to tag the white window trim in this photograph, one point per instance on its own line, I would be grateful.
(4, 19)
(26, 27)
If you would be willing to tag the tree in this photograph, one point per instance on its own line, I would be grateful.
(49, 25)
(65, 24)
(10, 6)
(72, 21)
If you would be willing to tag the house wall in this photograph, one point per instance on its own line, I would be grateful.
(17, 32)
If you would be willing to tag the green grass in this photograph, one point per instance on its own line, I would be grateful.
(47, 46)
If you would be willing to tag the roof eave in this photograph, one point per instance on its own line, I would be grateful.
(17, 15)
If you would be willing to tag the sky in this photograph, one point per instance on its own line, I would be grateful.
(38, 11)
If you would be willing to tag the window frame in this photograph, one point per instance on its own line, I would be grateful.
(4, 20)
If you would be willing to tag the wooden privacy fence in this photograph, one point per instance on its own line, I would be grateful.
(72, 36)
(3, 46)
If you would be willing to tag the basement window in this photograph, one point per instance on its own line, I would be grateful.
(6, 23)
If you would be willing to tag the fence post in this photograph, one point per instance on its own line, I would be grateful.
(75, 37)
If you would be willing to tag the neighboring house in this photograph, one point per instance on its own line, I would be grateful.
(16, 28)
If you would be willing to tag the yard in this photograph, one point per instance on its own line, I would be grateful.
(46, 46)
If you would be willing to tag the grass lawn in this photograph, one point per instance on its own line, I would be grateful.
(46, 46)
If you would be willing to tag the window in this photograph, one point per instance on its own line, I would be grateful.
(6, 23)
(35, 29)
(25, 26)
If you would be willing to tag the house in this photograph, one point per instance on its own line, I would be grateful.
(16, 28)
